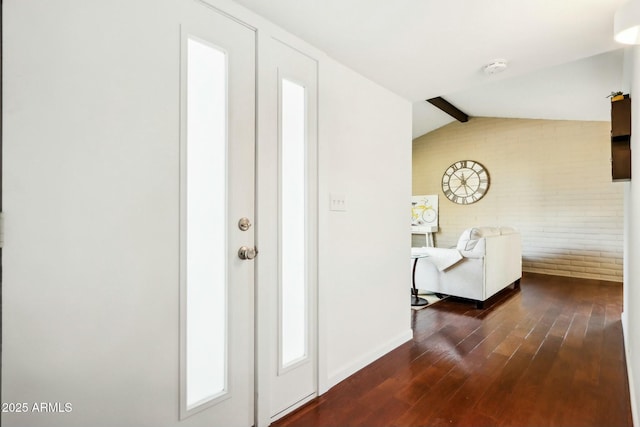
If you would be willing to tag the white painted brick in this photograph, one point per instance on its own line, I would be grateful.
(612, 267)
(599, 271)
(550, 179)
(585, 264)
(594, 253)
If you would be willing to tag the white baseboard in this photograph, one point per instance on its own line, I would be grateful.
(353, 367)
(293, 407)
(632, 388)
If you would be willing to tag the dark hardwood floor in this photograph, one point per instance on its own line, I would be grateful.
(549, 354)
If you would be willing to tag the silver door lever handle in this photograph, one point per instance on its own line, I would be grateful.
(247, 253)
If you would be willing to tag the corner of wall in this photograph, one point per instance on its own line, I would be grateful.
(354, 366)
(632, 237)
(632, 388)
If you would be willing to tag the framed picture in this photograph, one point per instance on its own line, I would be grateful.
(424, 214)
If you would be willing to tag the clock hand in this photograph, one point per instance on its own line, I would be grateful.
(463, 181)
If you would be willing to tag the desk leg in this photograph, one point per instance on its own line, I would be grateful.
(415, 300)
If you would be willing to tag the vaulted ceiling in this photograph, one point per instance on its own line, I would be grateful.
(562, 60)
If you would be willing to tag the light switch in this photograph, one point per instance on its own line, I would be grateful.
(337, 202)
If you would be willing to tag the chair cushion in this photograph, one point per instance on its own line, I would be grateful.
(470, 237)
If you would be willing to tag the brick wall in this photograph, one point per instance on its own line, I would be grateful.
(549, 178)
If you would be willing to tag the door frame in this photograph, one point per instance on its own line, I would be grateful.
(266, 241)
(1, 171)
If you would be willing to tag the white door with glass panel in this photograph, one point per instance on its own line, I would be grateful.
(217, 167)
(295, 377)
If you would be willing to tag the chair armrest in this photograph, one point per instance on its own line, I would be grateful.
(472, 254)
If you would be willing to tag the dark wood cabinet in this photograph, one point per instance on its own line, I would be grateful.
(621, 139)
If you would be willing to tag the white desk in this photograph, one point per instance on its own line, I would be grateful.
(427, 232)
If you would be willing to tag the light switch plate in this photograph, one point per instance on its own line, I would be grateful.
(337, 202)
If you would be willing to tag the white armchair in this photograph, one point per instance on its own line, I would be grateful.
(485, 261)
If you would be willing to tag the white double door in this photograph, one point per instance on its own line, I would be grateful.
(247, 314)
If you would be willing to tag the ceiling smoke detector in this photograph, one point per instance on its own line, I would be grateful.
(496, 66)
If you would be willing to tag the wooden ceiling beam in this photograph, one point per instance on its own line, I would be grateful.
(448, 108)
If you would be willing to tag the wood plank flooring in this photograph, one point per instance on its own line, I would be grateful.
(549, 354)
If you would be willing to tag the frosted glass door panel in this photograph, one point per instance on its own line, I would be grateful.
(293, 372)
(293, 235)
(206, 178)
(217, 188)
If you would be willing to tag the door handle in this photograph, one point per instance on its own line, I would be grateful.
(247, 253)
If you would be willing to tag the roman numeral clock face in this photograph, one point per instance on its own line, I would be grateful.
(465, 182)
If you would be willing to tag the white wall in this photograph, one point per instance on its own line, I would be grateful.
(631, 314)
(90, 263)
(365, 156)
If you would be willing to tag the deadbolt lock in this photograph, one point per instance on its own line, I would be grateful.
(244, 224)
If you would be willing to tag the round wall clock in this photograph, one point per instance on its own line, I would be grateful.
(465, 182)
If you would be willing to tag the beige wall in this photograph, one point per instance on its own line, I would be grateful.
(551, 179)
